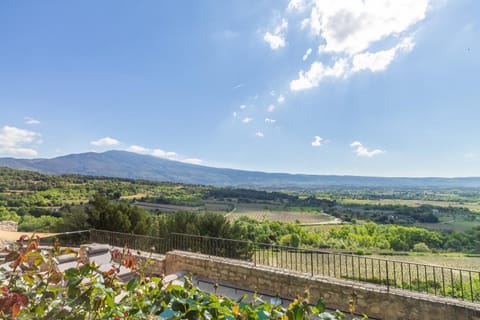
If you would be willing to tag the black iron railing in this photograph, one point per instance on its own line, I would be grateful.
(456, 283)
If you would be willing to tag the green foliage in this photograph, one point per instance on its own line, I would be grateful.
(7, 215)
(106, 215)
(40, 224)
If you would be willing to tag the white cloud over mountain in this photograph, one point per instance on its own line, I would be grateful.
(170, 155)
(105, 142)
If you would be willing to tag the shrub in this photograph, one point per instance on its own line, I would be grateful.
(421, 247)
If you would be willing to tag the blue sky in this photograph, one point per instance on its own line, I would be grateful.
(383, 88)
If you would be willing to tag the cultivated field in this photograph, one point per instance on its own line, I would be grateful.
(413, 203)
(263, 212)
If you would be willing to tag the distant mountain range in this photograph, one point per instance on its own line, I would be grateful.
(124, 164)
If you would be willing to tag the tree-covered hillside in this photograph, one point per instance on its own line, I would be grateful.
(62, 203)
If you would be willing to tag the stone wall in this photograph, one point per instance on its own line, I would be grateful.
(375, 301)
(7, 226)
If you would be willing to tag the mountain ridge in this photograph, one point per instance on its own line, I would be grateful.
(124, 164)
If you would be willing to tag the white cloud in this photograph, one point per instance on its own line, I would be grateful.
(31, 121)
(164, 154)
(312, 78)
(347, 30)
(247, 120)
(272, 93)
(192, 161)
(235, 114)
(276, 39)
(281, 99)
(268, 120)
(154, 152)
(304, 23)
(317, 141)
(345, 67)
(12, 141)
(281, 27)
(259, 134)
(361, 151)
(296, 5)
(307, 54)
(138, 149)
(107, 141)
(243, 106)
(271, 108)
(380, 60)
(351, 26)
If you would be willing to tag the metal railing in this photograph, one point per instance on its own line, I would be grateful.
(456, 283)
(68, 239)
(132, 241)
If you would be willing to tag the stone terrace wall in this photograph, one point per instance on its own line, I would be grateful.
(372, 300)
(7, 226)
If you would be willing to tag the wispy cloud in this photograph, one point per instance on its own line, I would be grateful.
(243, 106)
(271, 108)
(276, 40)
(268, 120)
(238, 86)
(362, 151)
(105, 142)
(13, 141)
(235, 114)
(311, 78)
(307, 54)
(296, 5)
(247, 120)
(380, 60)
(31, 121)
(259, 134)
(281, 99)
(317, 141)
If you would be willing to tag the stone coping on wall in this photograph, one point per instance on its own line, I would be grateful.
(374, 300)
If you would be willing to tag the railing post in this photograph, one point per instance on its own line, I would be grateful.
(388, 282)
(311, 261)
(254, 254)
